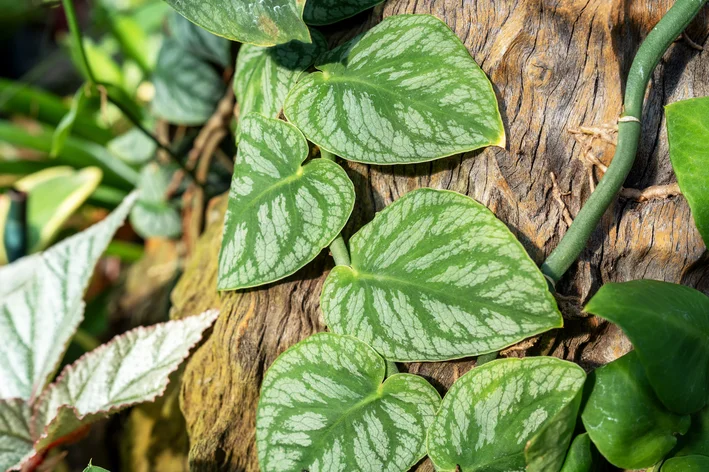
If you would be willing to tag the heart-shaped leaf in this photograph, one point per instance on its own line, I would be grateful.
(323, 406)
(580, 455)
(40, 316)
(265, 75)
(687, 129)
(280, 214)
(187, 89)
(153, 216)
(625, 419)
(133, 147)
(132, 368)
(676, 357)
(15, 437)
(495, 412)
(407, 91)
(436, 276)
(326, 12)
(259, 22)
(686, 464)
(199, 41)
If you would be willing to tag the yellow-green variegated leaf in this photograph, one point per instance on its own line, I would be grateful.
(281, 214)
(15, 436)
(323, 406)
(39, 317)
(54, 194)
(259, 22)
(436, 276)
(265, 75)
(132, 368)
(326, 12)
(407, 91)
(495, 412)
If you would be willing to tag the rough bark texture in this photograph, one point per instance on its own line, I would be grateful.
(556, 65)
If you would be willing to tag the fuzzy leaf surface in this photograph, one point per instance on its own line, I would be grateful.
(437, 276)
(323, 405)
(407, 91)
(326, 12)
(280, 214)
(38, 319)
(676, 357)
(15, 436)
(625, 419)
(132, 368)
(688, 132)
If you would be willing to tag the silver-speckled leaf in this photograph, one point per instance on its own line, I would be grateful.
(407, 91)
(280, 214)
(265, 75)
(323, 406)
(326, 12)
(491, 414)
(260, 22)
(436, 276)
(39, 317)
(15, 436)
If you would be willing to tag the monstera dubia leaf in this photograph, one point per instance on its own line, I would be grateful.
(39, 317)
(199, 41)
(281, 214)
(407, 91)
(686, 464)
(675, 358)
(625, 419)
(265, 75)
(497, 411)
(153, 216)
(15, 436)
(687, 131)
(323, 406)
(259, 22)
(436, 276)
(187, 88)
(326, 12)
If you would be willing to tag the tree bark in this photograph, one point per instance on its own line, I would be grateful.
(555, 65)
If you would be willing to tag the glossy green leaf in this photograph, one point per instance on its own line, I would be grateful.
(153, 215)
(323, 406)
(625, 419)
(199, 41)
(326, 12)
(133, 147)
(407, 91)
(262, 22)
(580, 455)
(15, 437)
(38, 319)
(65, 126)
(187, 88)
(686, 464)
(675, 357)
(281, 214)
(54, 195)
(265, 75)
(436, 276)
(687, 131)
(696, 441)
(496, 411)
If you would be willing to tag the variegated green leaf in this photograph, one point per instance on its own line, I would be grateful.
(407, 91)
(280, 214)
(153, 215)
(492, 413)
(133, 147)
(38, 319)
(323, 406)
(436, 276)
(265, 75)
(15, 437)
(54, 194)
(133, 368)
(326, 12)
(260, 22)
(199, 41)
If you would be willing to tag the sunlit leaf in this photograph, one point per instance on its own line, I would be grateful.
(687, 131)
(281, 214)
(40, 316)
(686, 464)
(436, 276)
(63, 129)
(260, 22)
(199, 41)
(496, 411)
(153, 215)
(15, 437)
(323, 406)
(325, 12)
(132, 368)
(133, 147)
(407, 91)
(625, 419)
(675, 357)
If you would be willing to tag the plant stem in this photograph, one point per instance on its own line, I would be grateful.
(86, 341)
(629, 128)
(338, 248)
(127, 252)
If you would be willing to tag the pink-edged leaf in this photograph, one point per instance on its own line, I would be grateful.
(132, 368)
(15, 439)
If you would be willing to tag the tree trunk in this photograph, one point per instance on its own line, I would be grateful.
(556, 65)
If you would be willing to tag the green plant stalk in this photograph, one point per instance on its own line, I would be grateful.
(629, 128)
(338, 247)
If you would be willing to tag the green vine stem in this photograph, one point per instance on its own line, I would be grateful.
(338, 248)
(629, 128)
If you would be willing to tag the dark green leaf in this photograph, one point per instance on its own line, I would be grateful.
(199, 41)
(580, 455)
(686, 464)
(696, 441)
(325, 12)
